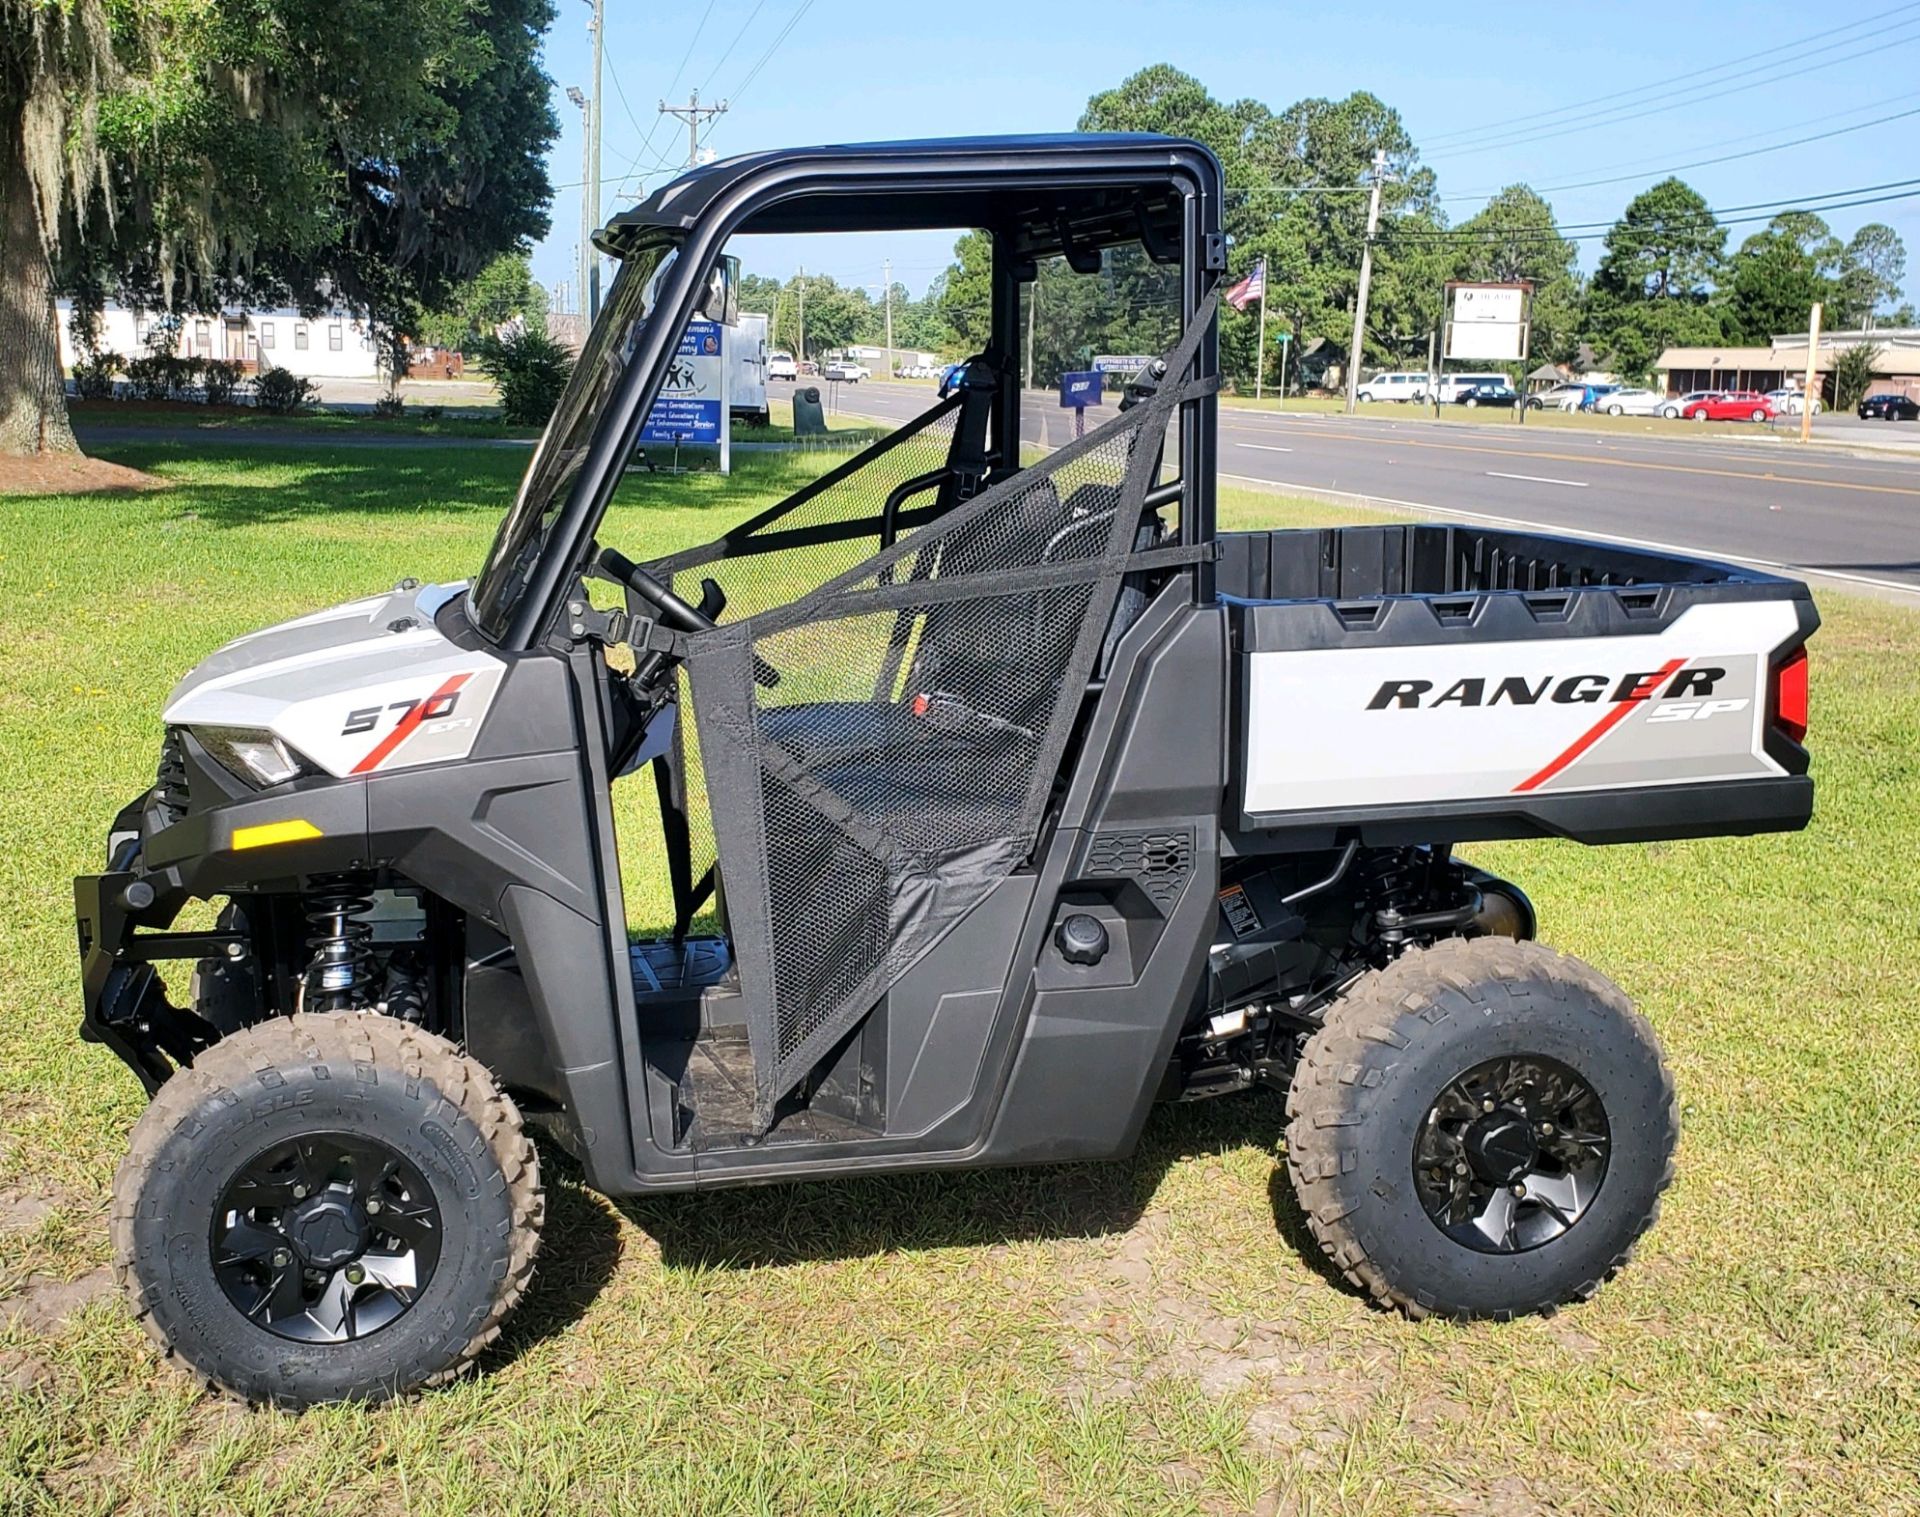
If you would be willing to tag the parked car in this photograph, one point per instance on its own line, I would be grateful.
(1793, 402)
(1676, 405)
(1565, 397)
(1401, 387)
(1890, 406)
(1501, 394)
(1734, 405)
(1633, 401)
(1452, 384)
(782, 366)
(847, 371)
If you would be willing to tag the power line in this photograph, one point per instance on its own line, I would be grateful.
(634, 162)
(759, 5)
(1644, 169)
(772, 48)
(1692, 77)
(1795, 69)
(1441, 237)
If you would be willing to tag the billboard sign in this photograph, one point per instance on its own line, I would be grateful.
(1488, 322)
(692, 408)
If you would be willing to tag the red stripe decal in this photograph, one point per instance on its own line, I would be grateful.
(1601, 728)
(405, 727)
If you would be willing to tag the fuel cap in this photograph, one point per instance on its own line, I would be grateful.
(1081, 939)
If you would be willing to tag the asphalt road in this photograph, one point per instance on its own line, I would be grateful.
(1840, 516)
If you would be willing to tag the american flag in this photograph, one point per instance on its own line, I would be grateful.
(1250, 289)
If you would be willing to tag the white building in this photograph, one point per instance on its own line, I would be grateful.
(334, 345)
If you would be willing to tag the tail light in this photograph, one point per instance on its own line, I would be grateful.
(1790, 695)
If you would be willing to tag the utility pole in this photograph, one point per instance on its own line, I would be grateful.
(886, 274)
(1366, 280)
(1809, 394)
(800, 290)
(693, 113)
(592, 289)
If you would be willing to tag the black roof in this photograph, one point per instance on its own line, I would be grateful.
(1062, 192)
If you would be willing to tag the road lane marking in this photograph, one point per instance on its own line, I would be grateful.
(1901, 587)
(1629, 463)
(1262, 447)
(1538, 479)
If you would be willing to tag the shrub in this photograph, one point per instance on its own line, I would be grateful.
(161, 376)
(1853, 375)
(93, 376)
(219, 379)
(531, 370)
(390, 405)
(283, 392)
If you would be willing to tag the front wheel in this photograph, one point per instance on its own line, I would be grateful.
(1471, 402)
(327, 1208)
(1482, 1129)
(1759, 416)
(1699, 415)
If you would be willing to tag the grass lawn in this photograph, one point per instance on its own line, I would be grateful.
(324, 423)
(1146, 1337)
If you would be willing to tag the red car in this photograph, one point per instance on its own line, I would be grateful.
(1735, 405)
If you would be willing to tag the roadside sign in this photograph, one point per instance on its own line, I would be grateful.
(1488, 321)
(1078, 390)
(1119, 363)
(692, 408)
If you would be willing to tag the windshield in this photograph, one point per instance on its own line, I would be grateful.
(609, 347)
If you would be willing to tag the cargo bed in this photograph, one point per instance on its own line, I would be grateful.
(1444, 684)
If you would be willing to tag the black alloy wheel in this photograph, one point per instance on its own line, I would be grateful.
(325, 1238)
(1511, 1154)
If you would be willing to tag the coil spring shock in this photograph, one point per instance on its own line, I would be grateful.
(339, 976)
(1401, 886)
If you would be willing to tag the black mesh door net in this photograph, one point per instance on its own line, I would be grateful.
(877, 753)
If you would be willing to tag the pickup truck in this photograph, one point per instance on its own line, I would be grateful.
(998, 798)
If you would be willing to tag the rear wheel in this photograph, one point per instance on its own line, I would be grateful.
(1616, 410)
(1483, 1129)
(327, 1208)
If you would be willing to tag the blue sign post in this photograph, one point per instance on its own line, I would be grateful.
(1080, 391)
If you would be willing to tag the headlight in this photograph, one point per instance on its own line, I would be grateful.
(252, 754)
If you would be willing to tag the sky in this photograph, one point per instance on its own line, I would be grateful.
(1552, 96)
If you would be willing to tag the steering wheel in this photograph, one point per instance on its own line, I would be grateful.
(673, 611)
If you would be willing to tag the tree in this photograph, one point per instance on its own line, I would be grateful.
(501, 293)
(1777, 276)
(1513, 238)
(183, 151)
(1871, 272)
(1655, 280)
(1297, 189)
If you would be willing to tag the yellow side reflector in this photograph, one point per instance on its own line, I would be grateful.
(269, 833)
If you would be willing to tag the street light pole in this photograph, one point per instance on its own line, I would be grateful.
(886, 274)
(587, 197)
(593, 169)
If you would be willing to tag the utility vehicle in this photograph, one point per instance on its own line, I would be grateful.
(1000, 798)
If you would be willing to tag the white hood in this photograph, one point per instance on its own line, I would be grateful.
(370, 685)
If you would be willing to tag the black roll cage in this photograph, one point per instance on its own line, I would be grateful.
(1070, 195)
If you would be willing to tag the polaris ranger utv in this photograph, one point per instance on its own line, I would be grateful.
(999, 800)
